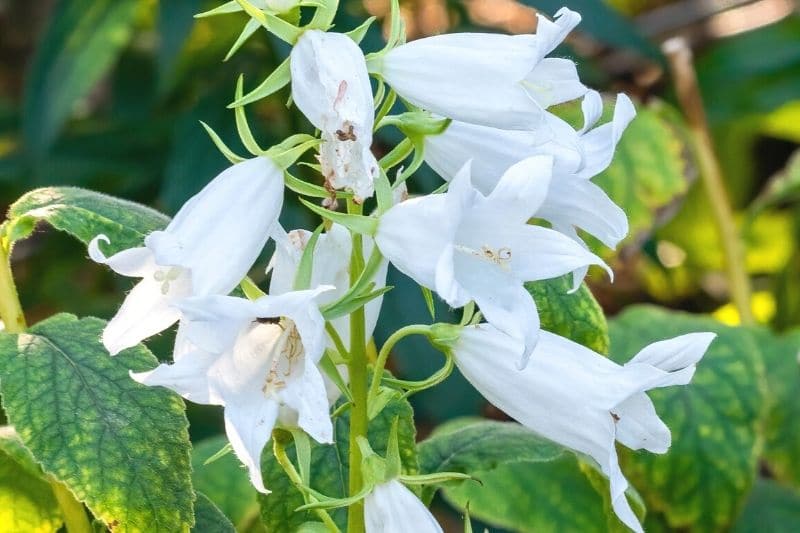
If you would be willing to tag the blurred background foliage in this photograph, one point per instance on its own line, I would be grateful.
(109, 95)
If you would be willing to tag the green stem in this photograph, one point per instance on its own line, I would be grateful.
(357, 366)
(280, 454)
(75, 519)
(13, 318)
(680, 58)
(386, 349)
(10, 308)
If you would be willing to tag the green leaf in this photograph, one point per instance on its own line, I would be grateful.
(576, 316)
(121, 447)
(224, 481)
(648, 172)
(81, 43)
(524, 482)
(702, 482)
(27, 503)
(330, 467)
(85, 214)
(770, 508)
(782, 423)
(208, 518)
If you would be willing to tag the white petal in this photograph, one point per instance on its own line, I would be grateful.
(577, 202)
(145, 312)
(133, 262)
(188, 377)
(502, 299)
(349, 165)
(219, 233)
(413, 234)
(554, 81)
(639, 426)
(330, 84)
(550, 34)
(522, 188)
(307, 395)
(592, 107)
(600, 143)
(472, 77)
(249, 426)
(392, 508)
(675, 354)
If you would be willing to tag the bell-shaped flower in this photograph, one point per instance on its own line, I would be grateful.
(578, 398)
(467, 246)
(496, 80)
(331, 266)
(258, 359)
(392, 508)
(206, 249)
(572, 201)
(330, 85)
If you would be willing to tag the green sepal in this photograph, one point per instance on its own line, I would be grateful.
(225, 450)
(286, 153)
(383, 193)
(363, 284)
(302, 278)
(394, 466)
(358, 33)
(229, 154)
(324, 15)
(309, 189)
(277, 80)
(444, 336)
(326, 502)
(397, 154)
(251, 290)
(249, 29)
(416, 161)
(347, 307)
(434, 379)
(327, 364)
(427, 295)
(277, 26)
(435, 478)
(357, 223)
(228, 7)
(302, 446)
(391, 98)
(245, 133)
(397, 28)
(415, 123)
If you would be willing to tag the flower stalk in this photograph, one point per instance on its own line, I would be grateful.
(679, 56)
(357, 367)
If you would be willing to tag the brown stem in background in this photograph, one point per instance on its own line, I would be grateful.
(679, 56)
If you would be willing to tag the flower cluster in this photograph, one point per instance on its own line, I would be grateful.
(477, 113)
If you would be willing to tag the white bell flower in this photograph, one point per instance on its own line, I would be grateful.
(258, 359)
(496, 80)
(578, 398)
(206, 249)
(331, 86)
(392, 508)
(572, 201)
(331, 267)
(467, 246)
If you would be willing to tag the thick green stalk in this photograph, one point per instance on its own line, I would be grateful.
(13, 318)
(357, 366)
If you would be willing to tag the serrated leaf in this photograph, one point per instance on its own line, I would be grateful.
(85, 214)
(330, 467)
(770, 508)
(27, 504)
(224, 481)
(576, 316)
(121, 447)
(648, 172)
(82, 41)
(703, 481)
(524, 482)
(782, 423)
(208, 518)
